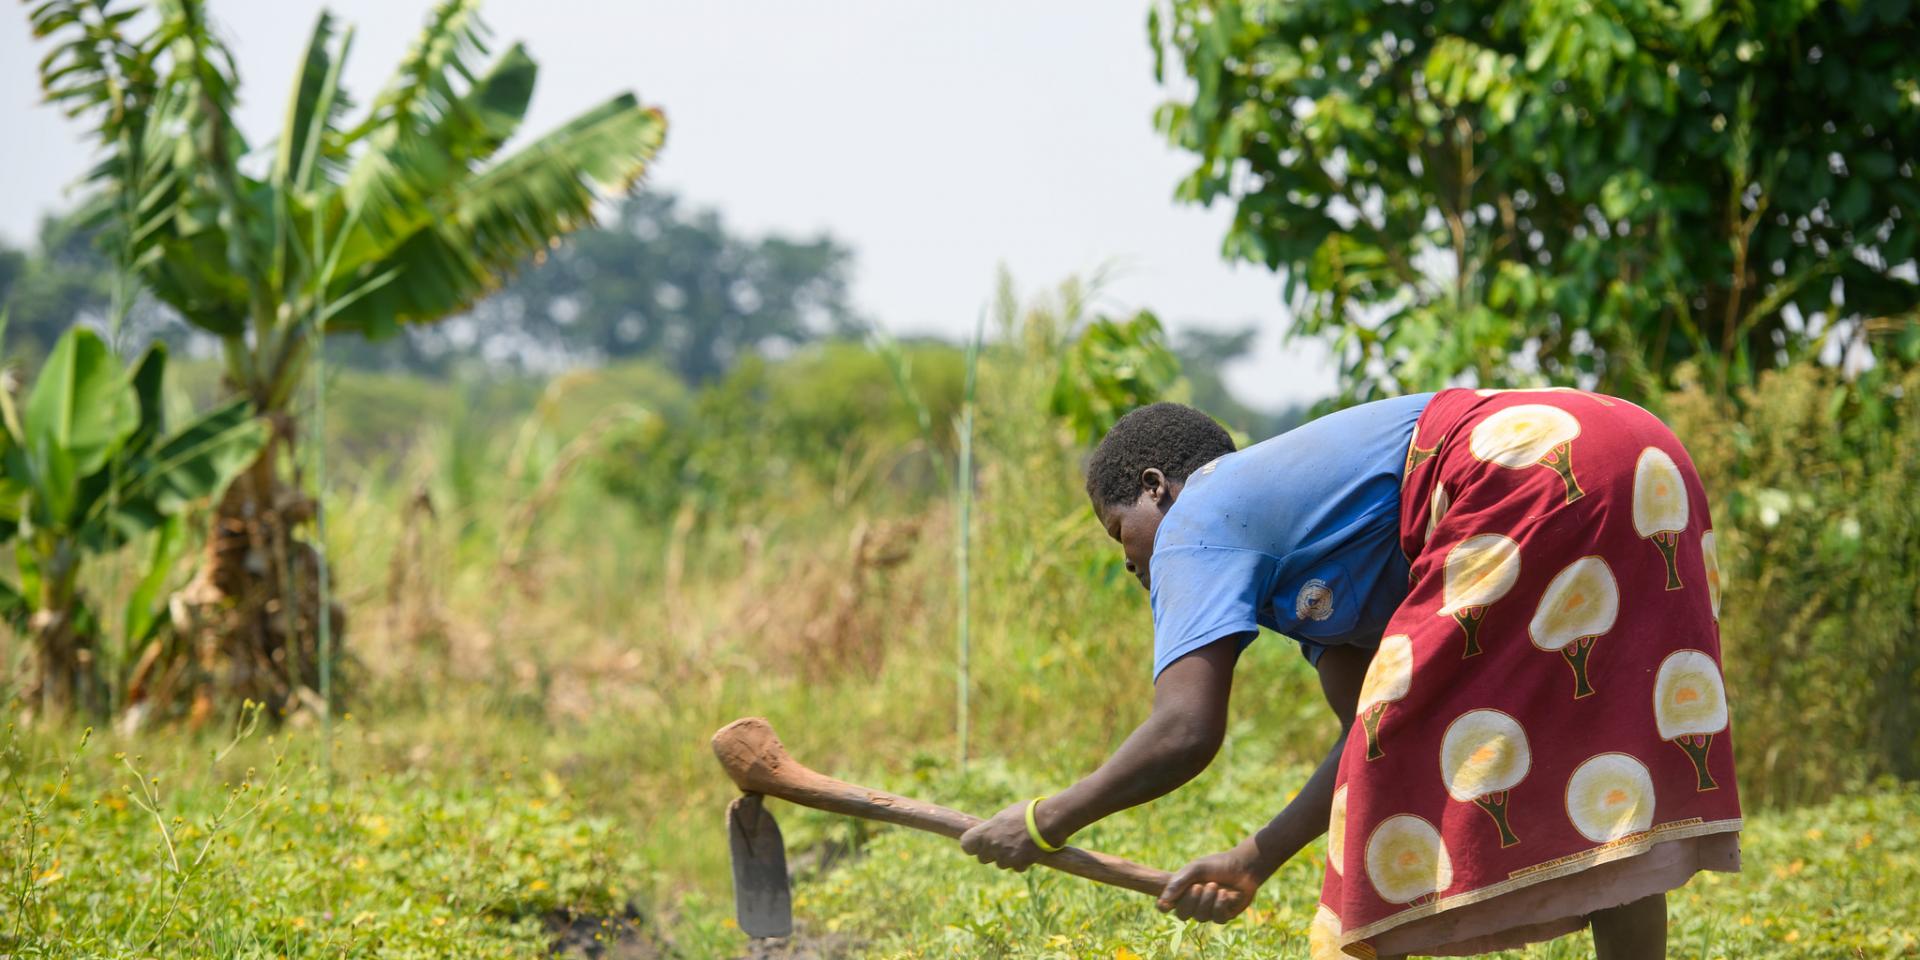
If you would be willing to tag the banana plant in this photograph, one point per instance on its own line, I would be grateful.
(350, 222)
(86, 466)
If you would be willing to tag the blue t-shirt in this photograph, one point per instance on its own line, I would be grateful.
(1299, 534)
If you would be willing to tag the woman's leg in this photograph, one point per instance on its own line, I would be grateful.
(1632, 931)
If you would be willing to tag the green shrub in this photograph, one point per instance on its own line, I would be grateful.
(827, 423)
(1812, 481)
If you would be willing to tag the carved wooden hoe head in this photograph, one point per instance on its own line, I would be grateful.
(758, 763)
(763, 898)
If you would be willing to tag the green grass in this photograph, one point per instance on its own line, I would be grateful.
(252, 850)
(424, 844)
(1833, 880)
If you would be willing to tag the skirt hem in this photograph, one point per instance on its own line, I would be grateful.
(1628, 846)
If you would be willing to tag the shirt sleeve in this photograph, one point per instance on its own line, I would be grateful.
(1201, 594)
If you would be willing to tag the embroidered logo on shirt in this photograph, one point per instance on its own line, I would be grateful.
(1315, 601)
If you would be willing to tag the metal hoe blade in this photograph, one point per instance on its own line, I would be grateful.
(762, 900)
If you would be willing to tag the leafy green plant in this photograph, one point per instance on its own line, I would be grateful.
(407, 215)
(89, 464)
(1558, 189)
(233, 845)
(1112, 367)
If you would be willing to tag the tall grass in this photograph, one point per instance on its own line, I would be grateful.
(1819, 536)
(963, 535)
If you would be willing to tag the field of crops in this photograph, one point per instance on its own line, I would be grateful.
(443, 847)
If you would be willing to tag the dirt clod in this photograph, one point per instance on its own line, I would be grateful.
(626, 936)
(801, 946)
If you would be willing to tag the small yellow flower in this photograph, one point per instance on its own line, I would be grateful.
(538, 885)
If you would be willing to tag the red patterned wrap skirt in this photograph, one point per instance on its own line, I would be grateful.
(1543, 732)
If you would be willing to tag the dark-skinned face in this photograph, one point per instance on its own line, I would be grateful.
(1134, 525)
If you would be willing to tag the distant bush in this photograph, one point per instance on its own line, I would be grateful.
(829, 419)
(1819, 543)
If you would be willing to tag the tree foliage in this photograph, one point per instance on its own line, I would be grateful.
(658, 279)
(45, 288)
(1204, 356)
(65, 278)
(1571, 190)
(1111, 367)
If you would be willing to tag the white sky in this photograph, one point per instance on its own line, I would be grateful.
(938, 140)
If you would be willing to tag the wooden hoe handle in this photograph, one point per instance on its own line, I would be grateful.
(758, 763)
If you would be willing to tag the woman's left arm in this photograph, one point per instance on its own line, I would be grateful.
(1219, 886)
(1169, 748)
(1342, 670)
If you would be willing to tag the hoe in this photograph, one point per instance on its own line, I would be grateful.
(754, 758)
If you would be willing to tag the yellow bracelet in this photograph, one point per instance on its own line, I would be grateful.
(1033, 829)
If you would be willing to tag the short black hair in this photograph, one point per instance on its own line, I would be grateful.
(1173, 437)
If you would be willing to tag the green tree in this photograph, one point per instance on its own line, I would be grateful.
(66, 278)
(1569, 190)
(662, 280)
(61, 278)
(1204, 356)
(404, 216)
(13, 266)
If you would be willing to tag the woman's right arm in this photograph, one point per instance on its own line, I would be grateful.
(1176, 741)
(1172, 746)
